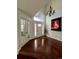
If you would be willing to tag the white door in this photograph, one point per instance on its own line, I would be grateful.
(39, 29)
(24, 31)
(27, 30)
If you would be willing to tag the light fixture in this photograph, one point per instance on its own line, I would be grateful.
(51, 10)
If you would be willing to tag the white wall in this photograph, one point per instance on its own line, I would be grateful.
(57, 4)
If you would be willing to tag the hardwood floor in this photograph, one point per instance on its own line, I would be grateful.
(41, 48)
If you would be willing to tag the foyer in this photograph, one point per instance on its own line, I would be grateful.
(37, 38)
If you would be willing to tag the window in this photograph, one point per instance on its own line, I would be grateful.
(38, 19)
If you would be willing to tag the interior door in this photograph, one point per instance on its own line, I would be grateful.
(24, 31)
(27, 31)
(39, 29)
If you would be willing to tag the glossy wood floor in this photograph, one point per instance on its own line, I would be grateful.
(41, 48)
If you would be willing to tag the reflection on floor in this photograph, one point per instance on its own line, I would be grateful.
(41, 48)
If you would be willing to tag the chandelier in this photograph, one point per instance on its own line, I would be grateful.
(51, 10)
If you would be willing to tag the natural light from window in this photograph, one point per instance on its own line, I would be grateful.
(38, 19)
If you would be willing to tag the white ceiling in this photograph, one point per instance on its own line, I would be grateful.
(31, 7)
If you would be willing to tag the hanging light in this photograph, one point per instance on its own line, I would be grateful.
(51, 10)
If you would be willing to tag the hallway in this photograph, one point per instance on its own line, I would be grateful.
(41, 48)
